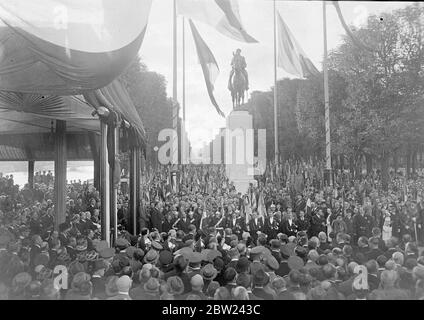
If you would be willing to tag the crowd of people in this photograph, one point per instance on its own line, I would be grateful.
(288, 238)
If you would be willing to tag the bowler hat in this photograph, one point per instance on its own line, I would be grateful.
(152, 286)
(175, 284)
(151, 256)
(208, 272)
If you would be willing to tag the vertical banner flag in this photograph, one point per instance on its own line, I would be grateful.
(291, 56)
(261, 206)
(209, 65)
(223, 15)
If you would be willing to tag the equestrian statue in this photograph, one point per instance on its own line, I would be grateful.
(238, 82)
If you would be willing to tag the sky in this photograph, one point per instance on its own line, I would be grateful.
(305, 20)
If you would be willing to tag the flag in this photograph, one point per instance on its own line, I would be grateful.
(291, 56)
(253, 201)
(223, 15)
(67, 47)
(261, 206)
(209, 66)
(247, 210)
(354, 39)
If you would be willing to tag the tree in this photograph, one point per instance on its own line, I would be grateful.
(148, 92)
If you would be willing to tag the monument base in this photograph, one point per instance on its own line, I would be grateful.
(239, 150)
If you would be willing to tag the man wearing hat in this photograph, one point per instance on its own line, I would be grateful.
(208, 272)
(197, 285)
(123, 284)
(260, 280)
(98, 280)
(165, 261)
(195, 261)
(255, 257)
(150, 291)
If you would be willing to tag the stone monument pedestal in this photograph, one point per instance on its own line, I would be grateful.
(239, 142)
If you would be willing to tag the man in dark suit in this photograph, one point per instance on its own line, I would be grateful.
(374, 251)
(271, 225)
(244, 280)
(235, 223)
(289, 227)
(98, 280)
(156, 218)
(276, 249)
(255, 224)
(184, 223)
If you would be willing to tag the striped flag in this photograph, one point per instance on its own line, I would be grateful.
(209, 65)
(223, 15)
(291, 56)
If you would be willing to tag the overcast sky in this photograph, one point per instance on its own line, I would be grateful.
(304, 18)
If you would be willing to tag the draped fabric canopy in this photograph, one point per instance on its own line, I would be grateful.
(56, 53)
(67, 47)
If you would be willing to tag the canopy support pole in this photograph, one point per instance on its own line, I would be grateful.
(60, 173)
(104, 184)
(31, 165)
(139, 156)
(114, 188)
(133, 190)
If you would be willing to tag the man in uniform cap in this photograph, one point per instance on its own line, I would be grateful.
(256, 256)
(195, 260)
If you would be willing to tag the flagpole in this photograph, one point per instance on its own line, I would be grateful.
(184, 71)
(326, 101)
(174, 95)
(275, 91)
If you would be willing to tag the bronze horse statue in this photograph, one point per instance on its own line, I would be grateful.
(237, 86)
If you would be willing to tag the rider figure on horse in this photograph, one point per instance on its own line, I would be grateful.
(239, 62)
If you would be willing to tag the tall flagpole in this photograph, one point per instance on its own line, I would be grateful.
(174, 97)
(184, 73)
(275, 91)
(327, 102)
